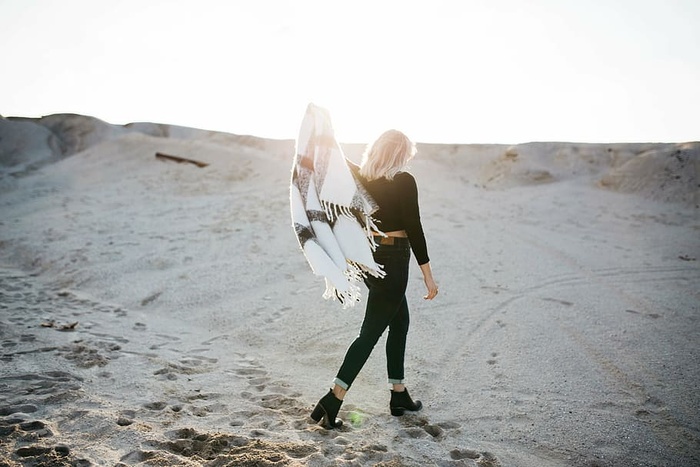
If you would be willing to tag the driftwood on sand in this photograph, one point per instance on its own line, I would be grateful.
(160, 155)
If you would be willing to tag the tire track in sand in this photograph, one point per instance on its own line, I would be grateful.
(650, 409)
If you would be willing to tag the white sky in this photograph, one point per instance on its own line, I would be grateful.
(469, 71)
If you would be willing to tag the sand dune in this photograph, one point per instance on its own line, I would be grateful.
(160, 313)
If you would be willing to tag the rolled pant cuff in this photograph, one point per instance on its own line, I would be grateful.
(396, 381)
(341, 383)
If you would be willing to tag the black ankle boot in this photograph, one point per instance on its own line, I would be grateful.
(401, 401)
(327, 409)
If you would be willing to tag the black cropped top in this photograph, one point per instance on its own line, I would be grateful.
(398, 209)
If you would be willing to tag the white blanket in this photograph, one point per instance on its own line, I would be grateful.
(331, 211)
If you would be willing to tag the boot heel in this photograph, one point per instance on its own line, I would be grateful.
(318, 413)
(401, 402)
(327, 410)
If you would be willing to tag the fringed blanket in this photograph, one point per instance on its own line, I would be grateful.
(331, 211)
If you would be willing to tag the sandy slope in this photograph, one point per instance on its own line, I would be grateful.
(565, 334)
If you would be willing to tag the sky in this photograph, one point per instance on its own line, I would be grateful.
(462, 71)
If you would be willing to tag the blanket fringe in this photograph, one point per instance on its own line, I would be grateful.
(347, 298)
(334, 211)
(353, 294)
(365, 271)
(371, 226)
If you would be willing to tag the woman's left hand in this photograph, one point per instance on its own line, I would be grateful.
(429, 281)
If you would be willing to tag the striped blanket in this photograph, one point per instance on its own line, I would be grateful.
(331, 211)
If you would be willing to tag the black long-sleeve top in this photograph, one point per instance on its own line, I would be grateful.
(398, 209)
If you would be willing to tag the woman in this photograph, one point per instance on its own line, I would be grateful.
(396, 194)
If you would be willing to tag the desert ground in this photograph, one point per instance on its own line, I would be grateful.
(160, 313)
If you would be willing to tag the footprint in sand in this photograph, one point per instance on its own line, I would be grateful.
(158, 405)
(186, 366)
(216, 339)
(482, 459)
(79, 304)
(86, 354)
(421, 427)
(252, 371)
(648, 315)
(15, 409)
(492, 360)
(273, 317)
(651, 408)
(221, 449)
(284, 404)
(25, 393)
(166, 340)
(17, 429)
(277, 401)
(559, 301)
(151, 298)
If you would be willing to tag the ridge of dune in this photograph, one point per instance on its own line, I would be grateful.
(29, 143)
(667, 172)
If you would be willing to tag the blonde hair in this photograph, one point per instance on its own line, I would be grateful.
(387, 155)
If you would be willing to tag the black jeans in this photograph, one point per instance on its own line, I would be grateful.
(386, 307)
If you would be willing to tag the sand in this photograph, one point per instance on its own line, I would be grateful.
(156, 313)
